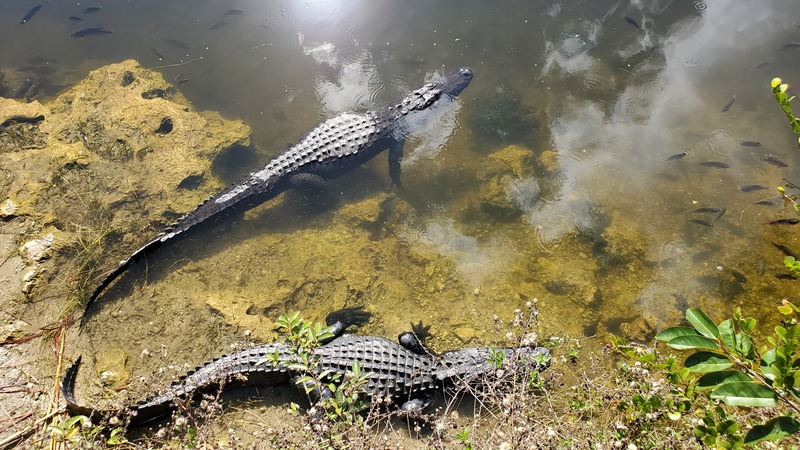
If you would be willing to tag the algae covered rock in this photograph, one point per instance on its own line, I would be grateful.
(118, 156)
(506, 183)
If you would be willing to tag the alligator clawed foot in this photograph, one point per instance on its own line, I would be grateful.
(421, 331)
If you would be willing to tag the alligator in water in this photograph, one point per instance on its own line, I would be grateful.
(330, 150)
(406, 371)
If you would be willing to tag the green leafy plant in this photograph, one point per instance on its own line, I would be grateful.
(69, 430)
(573, 354)
(792, 264)
(340, 396)
(79, 429)
(496, 358)
(779, 88)
(464, 438)
(733, 370)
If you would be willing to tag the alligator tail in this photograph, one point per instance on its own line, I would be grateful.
(68, 392)
(137, 256)
(236, 198)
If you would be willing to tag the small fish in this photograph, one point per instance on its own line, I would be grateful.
(750, 144)
(218, 25)
(728, 104)
(92, 9)
(233, 12)
(75, 18)
(677, 156)
(93, 31)
(761, 65)
(183, 80)
(765, 203)
(176, 43)
(159, 55)
(790, 45)
(715, 164)
(721, 213)
(739, 276)
(785, 276)
(752, 188)
(786, 250)
(29, 15)
(760, 267)
(784, 221)
(707, 209)
(702, 222)
(633, 22)
(775, 161)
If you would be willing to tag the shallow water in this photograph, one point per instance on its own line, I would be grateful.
(606, 231)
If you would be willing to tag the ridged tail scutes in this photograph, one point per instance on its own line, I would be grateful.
(135, 257)
(68, 392)
(232, 199)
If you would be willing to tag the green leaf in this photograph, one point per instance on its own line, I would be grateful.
(777, 428)
(671, 333)
(745, 393)
(727, 333)
(71, 421)
(694, 341)
(714, 379)
(747, 324)
(744, 346)
(702, 323)
(707, 362)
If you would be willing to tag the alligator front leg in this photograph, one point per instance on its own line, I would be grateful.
(340, 320)
(395, 158)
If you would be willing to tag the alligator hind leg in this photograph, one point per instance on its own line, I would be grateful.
(414, 340)
(308, 181)
(415, 405)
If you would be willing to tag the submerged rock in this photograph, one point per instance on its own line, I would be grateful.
(98, 165)
(506, 182)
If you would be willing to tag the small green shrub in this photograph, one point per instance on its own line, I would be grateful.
(345, 400)
(779, 88)
(728, 369)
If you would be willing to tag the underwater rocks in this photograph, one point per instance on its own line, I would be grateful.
(97, 163)
(506, 183)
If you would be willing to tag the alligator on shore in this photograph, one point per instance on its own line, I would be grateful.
(406, 372)
(332, 149)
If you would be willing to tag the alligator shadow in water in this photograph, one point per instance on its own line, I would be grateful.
(295, 210)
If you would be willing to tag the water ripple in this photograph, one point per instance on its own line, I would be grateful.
(278, 16)
(720, 142)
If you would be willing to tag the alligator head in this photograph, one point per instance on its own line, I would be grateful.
(423, 98)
